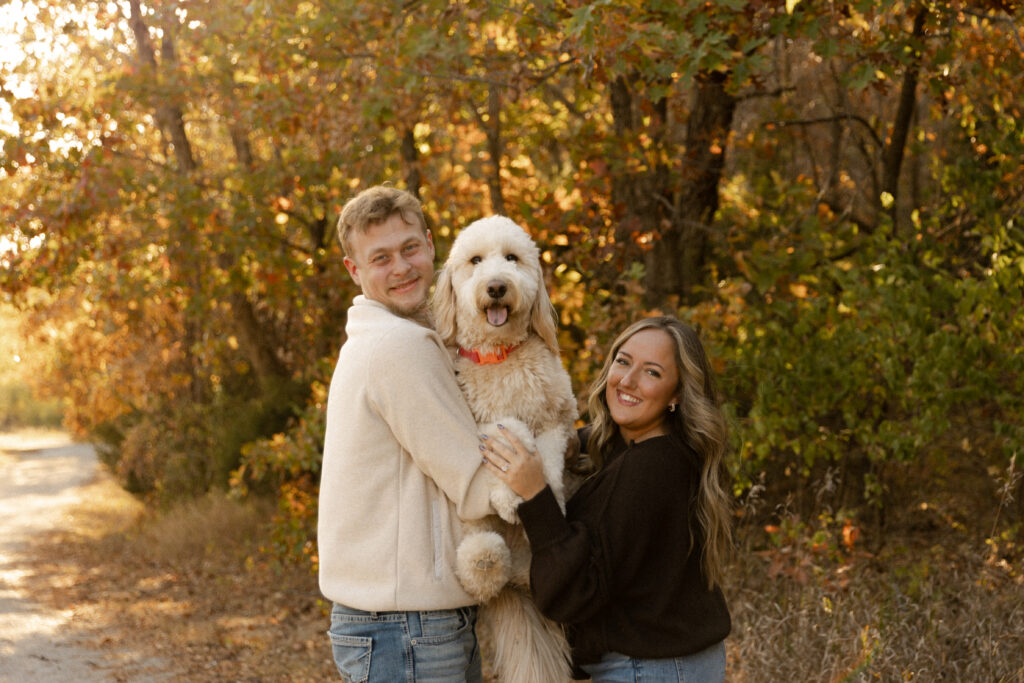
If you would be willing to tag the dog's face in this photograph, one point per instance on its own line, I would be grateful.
(491, 284)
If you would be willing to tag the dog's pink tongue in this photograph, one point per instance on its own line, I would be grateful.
(497, 315)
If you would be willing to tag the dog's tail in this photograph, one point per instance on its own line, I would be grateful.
(523, 645)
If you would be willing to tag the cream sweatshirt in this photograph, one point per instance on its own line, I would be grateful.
(401, 465)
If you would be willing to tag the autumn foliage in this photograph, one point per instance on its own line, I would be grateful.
(833, 192)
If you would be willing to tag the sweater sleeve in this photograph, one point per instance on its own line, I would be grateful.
(415, 391)
(568, 575)
(601, 554)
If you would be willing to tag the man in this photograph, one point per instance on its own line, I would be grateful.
(401, 464)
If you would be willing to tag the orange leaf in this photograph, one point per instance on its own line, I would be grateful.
(850, 534)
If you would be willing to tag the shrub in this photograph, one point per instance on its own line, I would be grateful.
(187, 448)
(287, 465)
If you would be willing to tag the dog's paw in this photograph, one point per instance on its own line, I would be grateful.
(505, 502)
(551, 447)
(483, 564)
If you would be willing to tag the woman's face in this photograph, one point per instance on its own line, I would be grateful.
(642, 382)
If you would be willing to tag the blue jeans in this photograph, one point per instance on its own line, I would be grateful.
(416, 647)
(706, 666)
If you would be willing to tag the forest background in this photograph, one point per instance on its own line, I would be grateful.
(833, 192)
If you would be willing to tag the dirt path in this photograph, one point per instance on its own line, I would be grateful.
(41, 477)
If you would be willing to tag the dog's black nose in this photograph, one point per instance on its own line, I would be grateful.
(496, 289)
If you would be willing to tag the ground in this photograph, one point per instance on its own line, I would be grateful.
(97, 590)
(96, 586)
(43, 476)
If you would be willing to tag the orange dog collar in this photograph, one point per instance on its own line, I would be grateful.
(491, 358)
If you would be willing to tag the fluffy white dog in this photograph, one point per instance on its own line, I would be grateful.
(490, 302)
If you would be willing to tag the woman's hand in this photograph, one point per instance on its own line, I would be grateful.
(517, 466)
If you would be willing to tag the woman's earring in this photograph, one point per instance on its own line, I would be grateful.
(672, 407)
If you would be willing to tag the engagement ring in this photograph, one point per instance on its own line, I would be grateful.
(504, 468)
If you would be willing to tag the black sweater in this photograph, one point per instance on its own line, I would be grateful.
(618, 568)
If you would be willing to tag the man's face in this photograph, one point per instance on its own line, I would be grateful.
(393, 263)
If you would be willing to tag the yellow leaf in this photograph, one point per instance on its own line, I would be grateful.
(791, 5)
(246, 77)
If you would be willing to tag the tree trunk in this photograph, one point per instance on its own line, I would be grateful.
(182, 239)
(410, 155)
(243, 150)
(672, 216)
(257, 340)
(623, 185)
(259, 347)
(642, 197)
(892, 159)
(168, 114)
(494, 148)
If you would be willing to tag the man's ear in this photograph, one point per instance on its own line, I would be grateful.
(352, 269)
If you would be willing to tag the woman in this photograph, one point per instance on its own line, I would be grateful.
(633, 567)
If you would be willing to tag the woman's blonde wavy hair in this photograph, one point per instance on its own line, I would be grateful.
(699, 422)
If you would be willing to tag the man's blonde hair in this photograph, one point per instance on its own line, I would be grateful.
(373, 206)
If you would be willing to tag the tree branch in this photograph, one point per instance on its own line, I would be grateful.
(560, 96)
(755, 94)
(831, 119)
(372, 56)
(997, 19)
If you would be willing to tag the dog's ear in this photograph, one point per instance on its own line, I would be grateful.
(444, 306)
(543, 318)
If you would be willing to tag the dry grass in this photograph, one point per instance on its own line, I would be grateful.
(935, 595)
(938, 595)
(939, 618)
(188, 587)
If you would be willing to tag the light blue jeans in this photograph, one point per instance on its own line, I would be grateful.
(706, 666)
(416, 647)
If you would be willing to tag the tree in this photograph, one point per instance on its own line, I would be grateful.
(830, 188)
